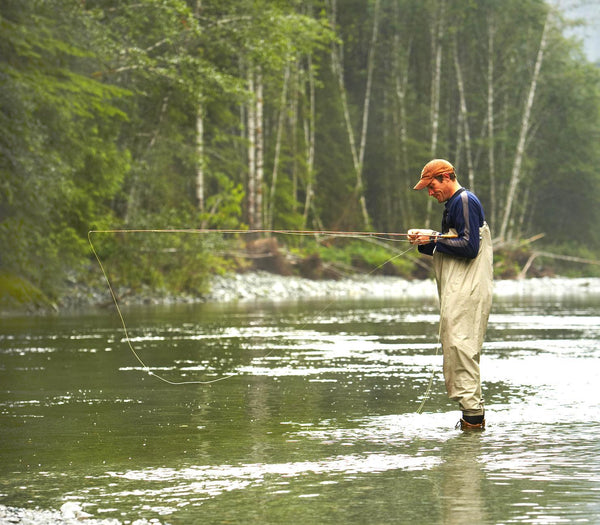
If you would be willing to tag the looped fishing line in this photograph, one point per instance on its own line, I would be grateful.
(127, 338)
(396, 237)
(427, 393)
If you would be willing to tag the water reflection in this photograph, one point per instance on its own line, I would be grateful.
(462, 478)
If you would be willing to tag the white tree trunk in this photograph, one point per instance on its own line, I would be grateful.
(490, 120)
(464, 119)
(251, 115)
(293, 124)
(436, 77)
(365, 120)
(200, 156)
(309, 139)
(280, 122)
(336, 62)
(435, 91)
(260, 152)
(199, 137)
(520, 151)
(400, 65)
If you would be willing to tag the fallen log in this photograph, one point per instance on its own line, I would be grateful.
(570, 258)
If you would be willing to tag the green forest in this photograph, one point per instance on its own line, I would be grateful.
(284, 114)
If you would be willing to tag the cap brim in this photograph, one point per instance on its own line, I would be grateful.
(421, 184)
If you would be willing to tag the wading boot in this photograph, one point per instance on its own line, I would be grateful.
(471, 423)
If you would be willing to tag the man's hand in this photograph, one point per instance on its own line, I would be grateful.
(421, 236)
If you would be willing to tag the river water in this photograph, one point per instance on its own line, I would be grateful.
(318, 423)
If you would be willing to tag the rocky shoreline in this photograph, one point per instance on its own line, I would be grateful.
(264, 286)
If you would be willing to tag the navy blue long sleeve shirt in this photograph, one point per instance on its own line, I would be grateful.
(463, 213)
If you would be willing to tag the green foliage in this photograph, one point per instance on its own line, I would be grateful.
(172, 262)
(566, 181)
(508, 262)
(569, 259)
(224, 207)
(59, 165)
(363, 256)
(99, 116)
(17, 293)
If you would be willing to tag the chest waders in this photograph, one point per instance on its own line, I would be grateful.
(465, 294)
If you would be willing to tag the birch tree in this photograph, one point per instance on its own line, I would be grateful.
(516, 173)
(400, 63)
(199, 138)
(175, 131)
(490, 117)
(200, 155)
(257, 221)
(278, 138)
(436, 32)
(464, 118)
(359, 189)
(337, 65)
(255, 149)
(309, 140)
(251, 137)
(272, 39)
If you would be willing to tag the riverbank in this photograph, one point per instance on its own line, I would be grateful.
(263, 286)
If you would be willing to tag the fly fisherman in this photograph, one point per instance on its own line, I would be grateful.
(463, 270)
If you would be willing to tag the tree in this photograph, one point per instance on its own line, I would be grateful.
(60, 163)
(523, 131)
(227, 113)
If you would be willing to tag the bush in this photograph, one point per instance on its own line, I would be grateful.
(363, 256)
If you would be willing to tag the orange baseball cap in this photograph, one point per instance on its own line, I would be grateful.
(432, 169)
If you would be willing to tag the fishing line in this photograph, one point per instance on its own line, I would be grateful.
(395, 237)
(427, 393)
(127, 338)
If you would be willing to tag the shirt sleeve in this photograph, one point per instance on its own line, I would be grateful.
(426, 249)
(466, 217)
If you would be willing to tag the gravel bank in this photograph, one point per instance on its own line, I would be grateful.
(551, 287)
(265, 286)
(274, 287)
(260, 286)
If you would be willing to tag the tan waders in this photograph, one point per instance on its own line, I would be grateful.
(465, 293)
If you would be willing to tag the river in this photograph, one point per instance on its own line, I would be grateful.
(313, 418)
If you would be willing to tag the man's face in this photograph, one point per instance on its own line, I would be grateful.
(440, 188)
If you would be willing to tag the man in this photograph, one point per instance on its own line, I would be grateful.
(462, 260)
